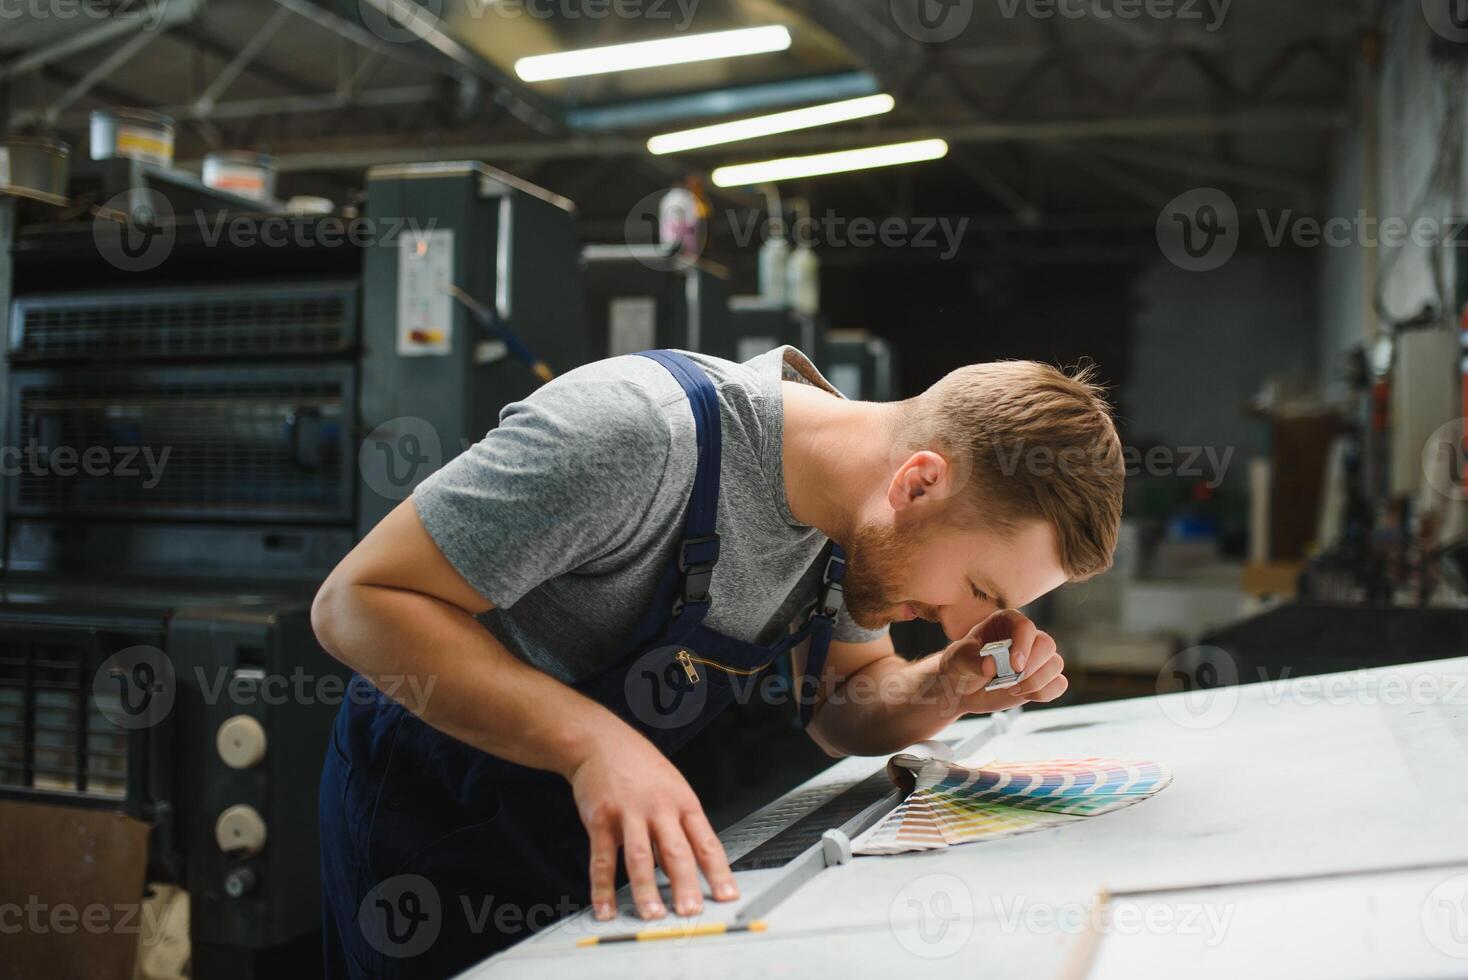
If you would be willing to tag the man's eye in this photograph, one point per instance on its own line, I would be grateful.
(979, 593)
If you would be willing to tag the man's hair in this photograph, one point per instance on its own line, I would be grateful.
(1028, 441)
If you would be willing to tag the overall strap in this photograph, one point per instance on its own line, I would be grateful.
(699, 548)
(829, 602)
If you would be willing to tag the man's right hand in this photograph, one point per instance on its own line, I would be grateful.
(633, 799)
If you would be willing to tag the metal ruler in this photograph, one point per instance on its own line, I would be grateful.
(870, 802)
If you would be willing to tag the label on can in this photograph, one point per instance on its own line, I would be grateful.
(245, 183)
(145, 145)
(4, 166)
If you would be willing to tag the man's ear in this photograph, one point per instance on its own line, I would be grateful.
(924, 476)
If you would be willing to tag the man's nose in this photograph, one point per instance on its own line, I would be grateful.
(957, 619)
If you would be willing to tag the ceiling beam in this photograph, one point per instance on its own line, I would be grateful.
(172, 12)
(280, 105)
(432, 43)
(102, 70)
(102, 90)
(1118, 177)
(259, 67)
(350, 157)
(241, 61)
(1199, 165)
(999, 189)
(722, 102)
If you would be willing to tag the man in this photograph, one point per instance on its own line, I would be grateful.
(680, 521)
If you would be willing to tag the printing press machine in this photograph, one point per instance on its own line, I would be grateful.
(643, 297)
(756, 324)
(252, 404)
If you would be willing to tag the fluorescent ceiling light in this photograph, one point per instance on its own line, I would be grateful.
(653, 54)
(778, 122)
(865, 158)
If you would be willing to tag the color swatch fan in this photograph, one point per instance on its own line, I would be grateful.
(956, 804)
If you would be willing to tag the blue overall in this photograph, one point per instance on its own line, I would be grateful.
(450, 853)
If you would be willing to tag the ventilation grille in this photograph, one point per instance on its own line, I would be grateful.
(224, 444)
(54, 733)
(268, 321)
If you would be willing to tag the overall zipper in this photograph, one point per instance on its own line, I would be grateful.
(686, 660)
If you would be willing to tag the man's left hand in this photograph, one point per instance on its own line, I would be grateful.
(963, 673)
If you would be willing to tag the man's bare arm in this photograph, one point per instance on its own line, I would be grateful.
(396, 608)
(874, 702)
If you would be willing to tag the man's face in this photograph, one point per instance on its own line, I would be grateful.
(953, 576)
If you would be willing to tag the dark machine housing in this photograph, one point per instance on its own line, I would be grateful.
(252, 402)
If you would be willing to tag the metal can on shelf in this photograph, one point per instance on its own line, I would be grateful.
(135, 134)
(242, 173)
(34, 165)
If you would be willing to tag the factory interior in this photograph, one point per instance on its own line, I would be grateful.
(267, 266)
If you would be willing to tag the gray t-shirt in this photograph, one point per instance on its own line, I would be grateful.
(565, 515)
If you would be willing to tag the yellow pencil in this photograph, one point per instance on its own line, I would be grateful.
(675, 932)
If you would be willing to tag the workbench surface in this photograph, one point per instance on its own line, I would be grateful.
(1314, 827)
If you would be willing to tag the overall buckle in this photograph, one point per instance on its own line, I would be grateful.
(831, 601)
(832, 596)
(697, 575)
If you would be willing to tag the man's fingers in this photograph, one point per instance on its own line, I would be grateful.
(993, 701)
(637, 852)
(603, 869)
(708, 851)
(1030, 686)
(1027, 648)
(676, 857)
(966, 669)
(1052, 690)
(1012, 625)
(1043, 680)
(1042, 663)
